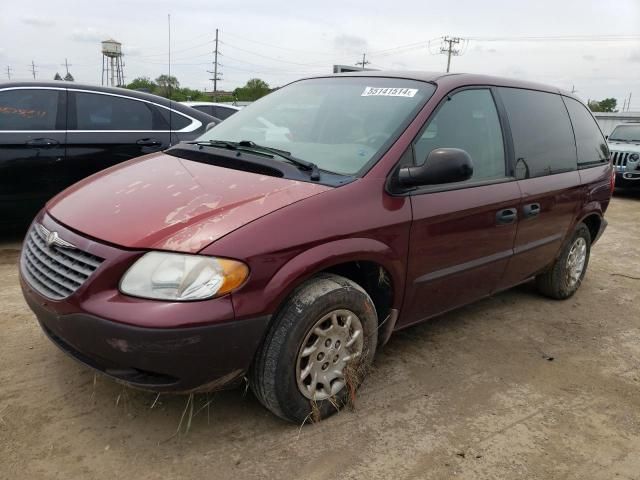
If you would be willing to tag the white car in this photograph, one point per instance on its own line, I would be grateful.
(218, 110)
(624, 144)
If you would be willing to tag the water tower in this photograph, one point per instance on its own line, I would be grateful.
(112, 65)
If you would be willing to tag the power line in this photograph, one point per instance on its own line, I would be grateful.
(267, 57)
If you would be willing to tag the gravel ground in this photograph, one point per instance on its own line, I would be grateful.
(515, 386)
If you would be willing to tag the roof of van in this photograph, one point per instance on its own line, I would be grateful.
(453, 80)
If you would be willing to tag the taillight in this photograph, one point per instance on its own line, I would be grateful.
(613, 180)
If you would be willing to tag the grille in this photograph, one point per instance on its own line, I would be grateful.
(56, 272)
(620, 158)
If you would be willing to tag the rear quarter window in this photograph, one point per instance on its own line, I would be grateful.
(591, 145)
(542, 135)
(223, 112)
(177, 121)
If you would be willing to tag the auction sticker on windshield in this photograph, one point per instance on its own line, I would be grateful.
(389, 92)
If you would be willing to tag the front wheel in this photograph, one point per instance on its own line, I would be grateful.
(317, 351)
(564, 277)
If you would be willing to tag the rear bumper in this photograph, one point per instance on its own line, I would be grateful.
(201, 358)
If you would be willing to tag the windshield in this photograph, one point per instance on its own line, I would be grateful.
(340, 123)
(626, 133)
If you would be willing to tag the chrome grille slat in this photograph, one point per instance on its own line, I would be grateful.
(50, 274)
(620, 159)
(61, 259)
(41, 285)
(55, 271)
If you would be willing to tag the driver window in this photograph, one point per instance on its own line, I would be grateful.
(467, 120)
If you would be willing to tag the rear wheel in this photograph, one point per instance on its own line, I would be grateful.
(564, 277)
(317, 351)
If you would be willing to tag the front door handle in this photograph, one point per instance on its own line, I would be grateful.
(506, 216)
(149, 142)
(531, 210)
(43, 143)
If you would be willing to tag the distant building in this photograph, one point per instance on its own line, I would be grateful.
(609, 120)
(350, 68)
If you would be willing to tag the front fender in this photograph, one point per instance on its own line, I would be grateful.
(324, 256)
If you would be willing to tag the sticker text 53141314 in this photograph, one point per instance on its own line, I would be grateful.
(389, 92)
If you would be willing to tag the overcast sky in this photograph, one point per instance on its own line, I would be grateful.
(280, 41)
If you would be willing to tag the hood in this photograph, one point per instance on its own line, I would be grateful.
(163, 202)
(624, 146)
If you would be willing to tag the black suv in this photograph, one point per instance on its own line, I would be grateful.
(53, 134)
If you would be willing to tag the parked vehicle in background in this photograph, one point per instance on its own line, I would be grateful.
(624, 143)
(290, 259)
(53, 134)
(218, 110)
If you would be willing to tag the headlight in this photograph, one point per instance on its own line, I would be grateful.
(634, 156)
(178, 277)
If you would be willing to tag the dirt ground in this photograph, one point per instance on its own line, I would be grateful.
(515, 386)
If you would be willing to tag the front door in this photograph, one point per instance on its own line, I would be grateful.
(462, 233)
(32, 149)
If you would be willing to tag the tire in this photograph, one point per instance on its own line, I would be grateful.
(277, 368)
(557, 282)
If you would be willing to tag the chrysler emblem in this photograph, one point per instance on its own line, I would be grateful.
(52, 238)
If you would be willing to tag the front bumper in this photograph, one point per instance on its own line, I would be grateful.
(204, 358)
(149, 344)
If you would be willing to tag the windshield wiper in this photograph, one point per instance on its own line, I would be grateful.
(314, 172)
(249, 146)
(215, 143)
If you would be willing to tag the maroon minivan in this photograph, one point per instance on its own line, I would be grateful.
(289, 242)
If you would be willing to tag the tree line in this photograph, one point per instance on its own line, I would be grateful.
(168, 86)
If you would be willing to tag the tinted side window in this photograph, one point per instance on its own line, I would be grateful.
(208, 109)
(28, 109)
(468, 120)
(222, 112)
(542, 135)
(107, 112)
(178, 122)
(592, 147)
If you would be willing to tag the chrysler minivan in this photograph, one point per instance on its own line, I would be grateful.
(288, 260)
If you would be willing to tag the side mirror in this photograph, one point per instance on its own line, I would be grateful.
(210, 126)
(443, 165)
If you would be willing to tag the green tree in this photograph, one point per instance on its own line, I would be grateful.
(253, 90)
(166, 84)
(57, 77)
(143, 83)
(606, 105)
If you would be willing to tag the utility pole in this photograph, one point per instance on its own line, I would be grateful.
(450, 50)
(364, 61)
(33, 69)
(629, 102)
(8, 72)
(66, 65)
(215, 78)
(573, 89)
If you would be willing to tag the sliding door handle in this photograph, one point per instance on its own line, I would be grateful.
(506, 216)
